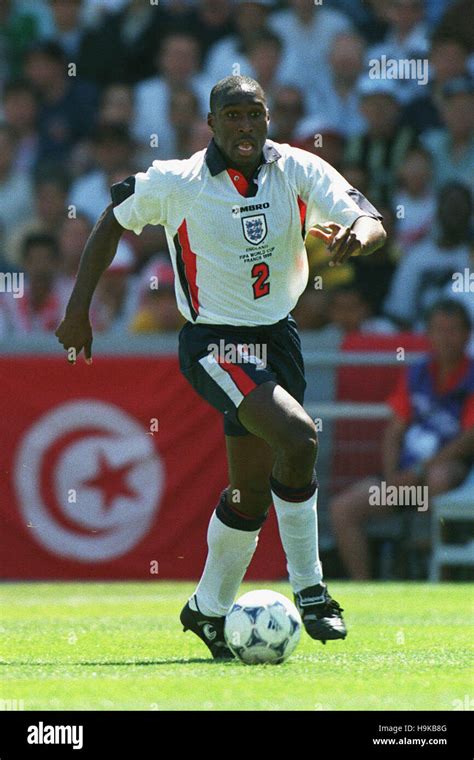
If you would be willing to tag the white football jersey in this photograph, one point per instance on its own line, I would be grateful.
(237, 247)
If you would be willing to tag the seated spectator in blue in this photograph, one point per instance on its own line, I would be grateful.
(452, 147)
(427, 267)
(428, 441)
(68, 105)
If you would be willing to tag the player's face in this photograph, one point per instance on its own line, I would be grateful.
(240, 127)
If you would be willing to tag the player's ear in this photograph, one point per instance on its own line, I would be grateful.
(210, 120)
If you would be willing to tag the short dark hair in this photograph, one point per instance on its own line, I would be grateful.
(52, 175)
(14, 86)
(111, 132)
(49, 49)
(35, 239)
(233, 85)
(453, 308)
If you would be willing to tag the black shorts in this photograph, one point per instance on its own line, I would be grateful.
(225, 363)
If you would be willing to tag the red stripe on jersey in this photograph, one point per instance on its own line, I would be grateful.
(244, 383)
(240, 182)
(189, 261)
(302, 208)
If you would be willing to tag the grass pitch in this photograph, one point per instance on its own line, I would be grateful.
(120, 646)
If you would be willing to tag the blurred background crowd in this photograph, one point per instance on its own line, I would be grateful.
(95, 90)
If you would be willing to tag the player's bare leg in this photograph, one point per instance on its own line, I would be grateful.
(272, 414)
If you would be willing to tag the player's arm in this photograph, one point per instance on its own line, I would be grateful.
(75, 329)
(365, 236)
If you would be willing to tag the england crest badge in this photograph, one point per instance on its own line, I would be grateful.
(255, 228)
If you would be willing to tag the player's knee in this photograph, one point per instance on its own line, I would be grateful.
(301, 439)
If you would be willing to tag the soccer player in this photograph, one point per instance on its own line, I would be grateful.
(233, 216)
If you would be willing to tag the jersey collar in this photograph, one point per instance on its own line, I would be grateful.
(216, 162)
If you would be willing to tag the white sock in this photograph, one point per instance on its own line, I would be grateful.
(298, 526)
(229, 554)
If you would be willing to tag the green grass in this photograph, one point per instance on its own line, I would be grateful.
(119, 646)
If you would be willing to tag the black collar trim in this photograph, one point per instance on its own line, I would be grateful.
(216, 162)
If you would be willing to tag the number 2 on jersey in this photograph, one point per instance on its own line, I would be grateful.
(261, 286)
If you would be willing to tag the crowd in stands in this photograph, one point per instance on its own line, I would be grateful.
(92, 91)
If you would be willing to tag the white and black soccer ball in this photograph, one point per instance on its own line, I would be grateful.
(262, 627)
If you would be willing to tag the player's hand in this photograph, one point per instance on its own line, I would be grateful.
(75, 334)
(342, 242)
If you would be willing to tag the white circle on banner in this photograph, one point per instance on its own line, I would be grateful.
(110, 465)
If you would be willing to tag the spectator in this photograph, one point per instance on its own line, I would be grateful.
(455, 23)
(349, 309)
(407, 39)
(311, 311)
(383, 146)
(184, 112)
(199, 136)
(287, 111)
(428, 267)
(264, 54)
(122, 46)
(67, 104)
(117, 105)
(72, 238)
(415, 201)
(113, 148)
(68, 28)
(50, 196)
(341, 102)
(308, 31)
(20, 109)
(448, 60)
(42, 304)
(429, 440)
(157, 310)
(19, 29)
(452, 148)
(210, 21)
(321, 137)
(16, 191)
(178, 66)
(230, 55)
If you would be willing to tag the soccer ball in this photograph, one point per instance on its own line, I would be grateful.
(262, 627)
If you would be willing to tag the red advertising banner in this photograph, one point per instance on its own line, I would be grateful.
(110, 471)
